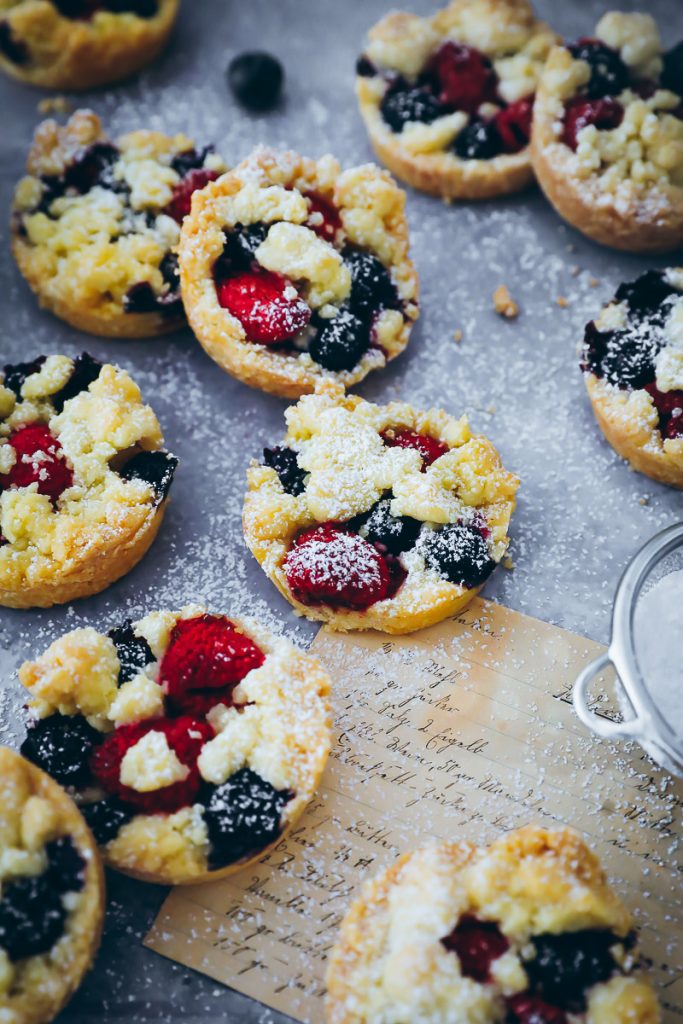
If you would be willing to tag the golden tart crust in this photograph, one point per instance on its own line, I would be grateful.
(268, 188)
(102, 525)
(278, 726)
(34, 811)
(623, 187)
(390, 964)
(83, 252)
(338, 442)
(77, 54)
(504, 30)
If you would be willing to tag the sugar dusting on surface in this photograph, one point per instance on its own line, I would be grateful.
(581, 512)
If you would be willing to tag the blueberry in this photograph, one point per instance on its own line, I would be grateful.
(61, 745)
(365, 68)
(459, 552)
(190, 160)
(86, 370)
(479, 140)
(672, 73)
(401, 105)
(134, 652)
(238, 252)
(371, 284)
(155, 468)
(94, 166)
(256, 79)
(105, 818)
(66, 866)
(10, 47)
(339, 343)
(567, 965)
(16, 373)
(609, 73)
(395, 533)
(284, 462)
(243, 815)
(32, 916)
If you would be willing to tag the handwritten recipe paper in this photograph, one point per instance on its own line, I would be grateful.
(461, 731)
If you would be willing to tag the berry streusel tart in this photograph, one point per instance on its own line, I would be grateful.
(78, 44)
(191, 741)
(448, 100)
(96, 222)
(525, 931)
(293, 270)
(83, 479)
(633, 368)
(51, 894)
(607, 141)
(377, 517)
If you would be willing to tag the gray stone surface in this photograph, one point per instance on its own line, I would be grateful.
(581, 512)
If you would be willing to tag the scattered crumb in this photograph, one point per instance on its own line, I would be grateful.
(571, 247)
(643, 501)
(457, 335)
(562, 301)
(491, 409)
(594, 282)
(575, 271)
(507, 562)
(504, 304)
(55, 105)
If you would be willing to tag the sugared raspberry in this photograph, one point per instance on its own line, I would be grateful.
(205, 660)
(262, 303)
(465, 76)
(40, 460)
(526, 1009)
(604, 114)
(185, 736)
(429, 447)
(323, 217)
(329, 565)
(181, 200)
(514, 124)
(476, 944)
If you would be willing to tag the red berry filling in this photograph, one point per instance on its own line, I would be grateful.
(205, 660)
(603, 113)
(181, 200)
(476, 944)
(514, 124)
(329, 565)
(669, 405)
(429, 447)
(526, 1009)
(185, 736)
(39, 460)
(258, 299)
(324, 217)
(465, 77)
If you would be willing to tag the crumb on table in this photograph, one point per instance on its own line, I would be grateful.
(562, 301)
(504, 304)
(457, 335)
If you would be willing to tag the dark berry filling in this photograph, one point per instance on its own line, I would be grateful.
(340, 343)
(371, 285)
(391, 534)
(459, 553)
(39, 460)
(672, 72)
(567, 965)
(514, 124)
(242, 816)
(609, 73)
(61, 745)
(190, 160)
(16, 373)
(155, 468)
(12, 48)
(239, 251)
(402, 104)
(365, 68)
(181, 200)
(85, 371)
(647, 295)
(669, 405)
(430, 448)
(284, 462)
(106, 817)
(133, 651)
(93, 167)
(66, 867)
(83, 10)
(478, 140)
(255, 79)
(603, 113)
(324, 217)
(477, 944)
(527, 1009)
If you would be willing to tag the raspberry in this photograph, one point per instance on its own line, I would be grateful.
(184, 735)
(259, 301)
(205, 660)
(514, 124)
(320, 207)
(526, 1009)
(429, 447)
(329, 565)
(181, 200)
(466, 77)
(476, 944)
(40, 460)
(604, 114)
(669, 405)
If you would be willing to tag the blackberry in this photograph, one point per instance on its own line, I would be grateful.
(140, 298)
(61, 745)
(284, 462)
(238, 252)
(609, 73)
(85, 371)
(566, 966)
(134, 652)
(255, 79)
(595, 344)
(155, 468)
(629, 358)
(340, 343)
(365, 68)
(395, 533)
(12, 48)
(402, 104)
(371, 284)
(106, 817)
(479, 140)
(66, 866)
(672, 72)
(142, 8)
(242, 815)
(93, 167)
(459, 553)
(16, 373)
(74, 9)
(32, 916)
(190, 160)
(647, 295)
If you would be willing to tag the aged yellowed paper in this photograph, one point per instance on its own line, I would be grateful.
(460, 731)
